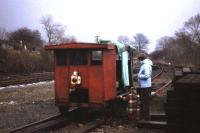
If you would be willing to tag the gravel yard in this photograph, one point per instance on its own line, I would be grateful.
(26, 104)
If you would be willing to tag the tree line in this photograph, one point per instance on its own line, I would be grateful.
(139, 41)
(22, 50)
(184, 47)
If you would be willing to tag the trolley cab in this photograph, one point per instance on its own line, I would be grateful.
(88, 74)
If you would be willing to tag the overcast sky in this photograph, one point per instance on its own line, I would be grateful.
(108, 19)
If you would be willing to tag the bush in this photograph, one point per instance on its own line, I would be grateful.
(12, 61)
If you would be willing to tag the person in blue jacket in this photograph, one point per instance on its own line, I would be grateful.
(144, 80)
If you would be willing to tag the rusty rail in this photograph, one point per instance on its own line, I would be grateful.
(24, 79)
(90, 126)
(162, 87)
(157, 75)
(58, 122)
(41, 125)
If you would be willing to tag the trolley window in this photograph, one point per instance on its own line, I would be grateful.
(61, 58)
(71, 58)
(78, 58)
(96, 57)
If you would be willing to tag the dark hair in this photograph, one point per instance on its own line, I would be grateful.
(141, 56)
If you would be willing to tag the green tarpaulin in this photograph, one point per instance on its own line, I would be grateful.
(122, 51)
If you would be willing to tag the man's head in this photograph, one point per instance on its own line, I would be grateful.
(141, 56)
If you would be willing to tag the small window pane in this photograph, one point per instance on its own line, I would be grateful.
(71, 58)
(96, 57)
(78, 58)
(61, 58)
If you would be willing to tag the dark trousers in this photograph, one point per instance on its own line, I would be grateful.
(145, 96)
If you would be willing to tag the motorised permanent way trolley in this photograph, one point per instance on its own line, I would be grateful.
(90, 74)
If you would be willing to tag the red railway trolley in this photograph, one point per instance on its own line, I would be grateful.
(87, 74)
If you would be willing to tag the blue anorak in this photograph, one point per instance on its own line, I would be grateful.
(144, 75)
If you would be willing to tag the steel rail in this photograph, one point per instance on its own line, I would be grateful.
(90, 126)
(26, 79)
(31, 125)
(48, 124)
(157, 75)
(162, 87)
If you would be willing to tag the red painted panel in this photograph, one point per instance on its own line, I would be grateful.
(99, 79)
(96, 84)
(109, 70)
(63, 79)
(61, 82)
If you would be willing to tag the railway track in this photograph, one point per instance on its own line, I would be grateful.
(24, 79)
(48, 123)
(161, 86)
(89, 126)
(159, 73)
(57, 122)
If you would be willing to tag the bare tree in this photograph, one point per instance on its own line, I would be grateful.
(188, 40)
(3, 34)
(123, 39)
(54, 32)
(68, 39)
(163, 42)
(192, 28)
(183, 48)
(140, 41)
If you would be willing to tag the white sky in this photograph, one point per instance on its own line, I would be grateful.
(106, 18)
